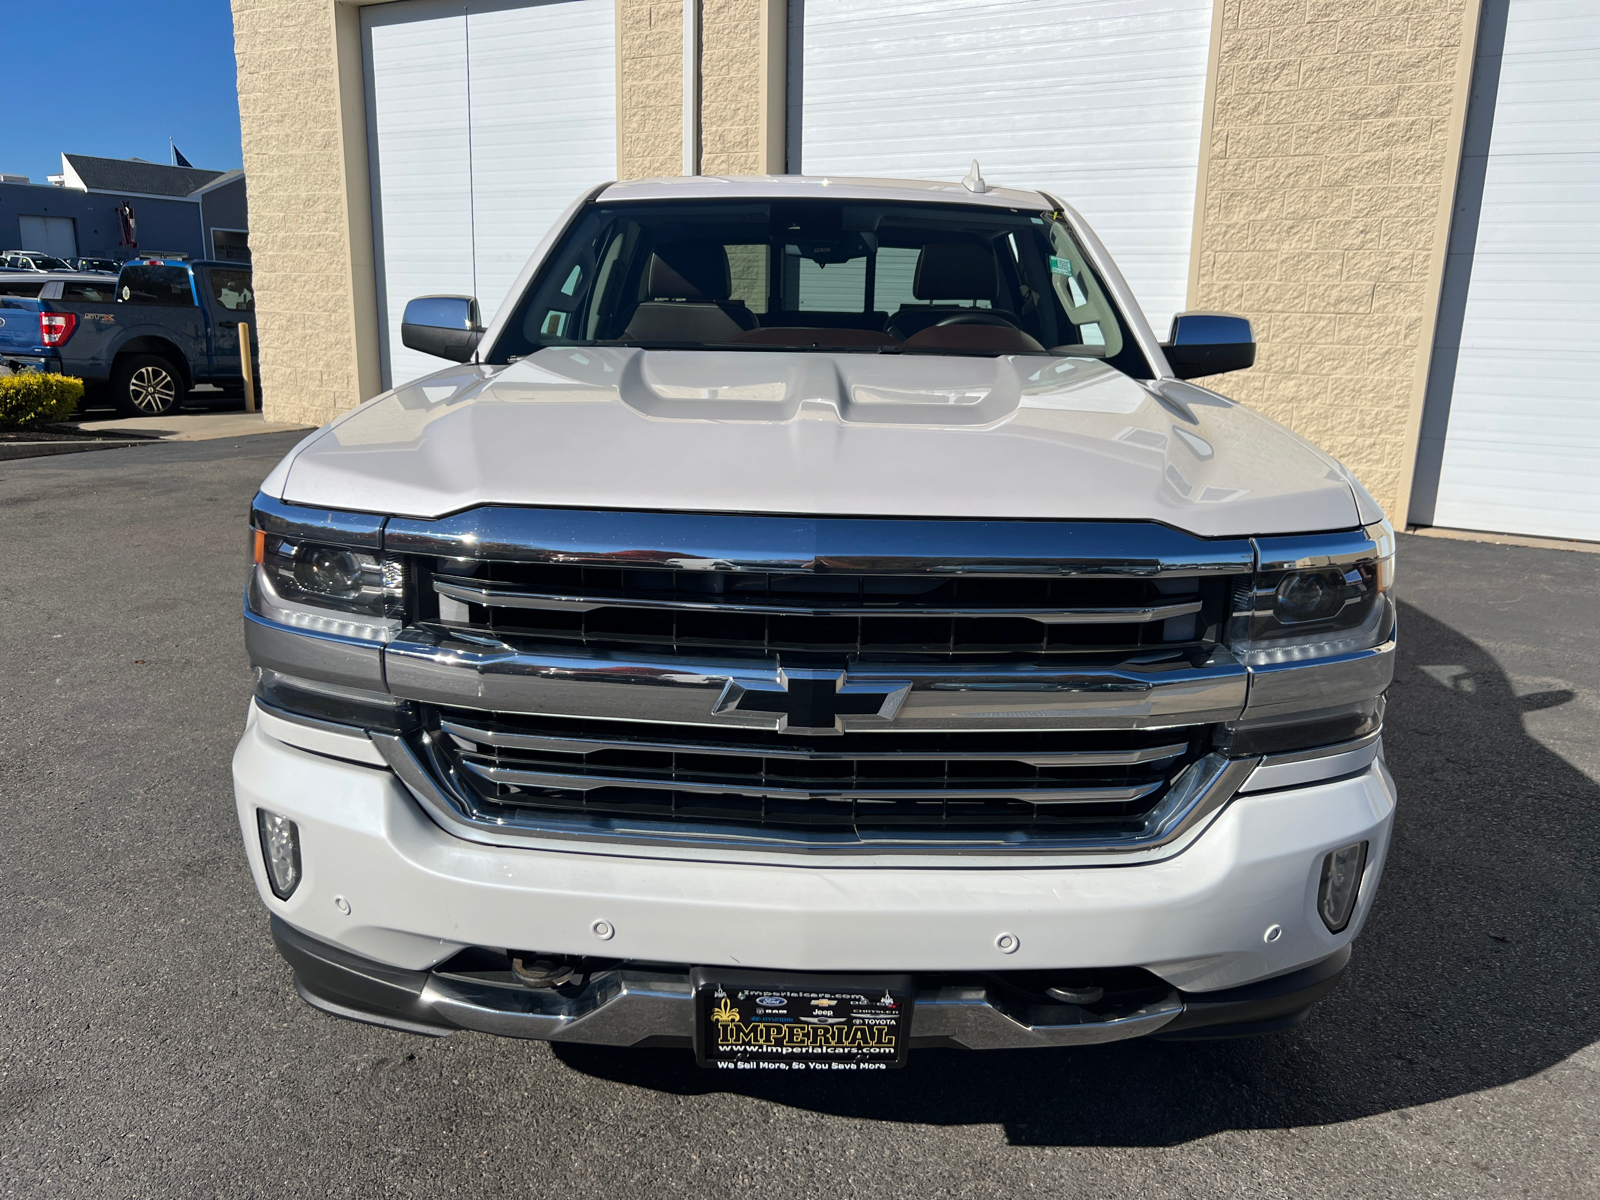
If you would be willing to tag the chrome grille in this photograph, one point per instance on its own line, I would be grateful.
(509, 768)
(814, 683)
(765, 612)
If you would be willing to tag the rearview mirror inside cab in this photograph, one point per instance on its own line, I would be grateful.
(1208, 344)
(444, 326)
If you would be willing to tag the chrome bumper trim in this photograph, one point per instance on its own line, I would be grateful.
(618, 1008)
(309, 655)
(965, 1016)
(436, 667)
(625, 1007)
(1287, 689)
(387, 1020)
(1311, 766)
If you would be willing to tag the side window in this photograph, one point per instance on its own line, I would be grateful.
(1080, 296)
(93, 293)
(167, 286)
(231, 289)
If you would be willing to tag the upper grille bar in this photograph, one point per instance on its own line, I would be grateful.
(486, 673)
(733, 542)
(503, 598)
(586, 745)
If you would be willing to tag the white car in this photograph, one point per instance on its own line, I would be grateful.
(814, 620)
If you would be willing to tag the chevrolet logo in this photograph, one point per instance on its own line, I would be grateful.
(815, 702)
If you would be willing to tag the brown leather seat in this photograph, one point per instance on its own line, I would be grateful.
(687, 286)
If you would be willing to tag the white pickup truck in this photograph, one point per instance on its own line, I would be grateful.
(813, 621)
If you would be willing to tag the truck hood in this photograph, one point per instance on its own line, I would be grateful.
(820, 434)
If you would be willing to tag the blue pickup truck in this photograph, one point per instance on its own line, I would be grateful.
(162, 329)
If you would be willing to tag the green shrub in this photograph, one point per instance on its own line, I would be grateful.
(37, 399)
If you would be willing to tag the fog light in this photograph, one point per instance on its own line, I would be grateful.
(280, 848)
(1341, 880)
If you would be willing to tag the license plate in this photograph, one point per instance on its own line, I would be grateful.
(771, 1021)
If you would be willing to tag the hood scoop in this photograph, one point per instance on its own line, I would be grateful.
(856, 389)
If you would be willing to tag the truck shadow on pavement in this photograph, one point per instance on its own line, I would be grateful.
(1476, 968)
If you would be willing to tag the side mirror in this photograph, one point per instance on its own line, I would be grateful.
(444, 326)
(1208, 344)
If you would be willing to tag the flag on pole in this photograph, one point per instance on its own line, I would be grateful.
(178, 160)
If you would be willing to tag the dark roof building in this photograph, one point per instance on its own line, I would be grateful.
(132, 176)
(169, 210)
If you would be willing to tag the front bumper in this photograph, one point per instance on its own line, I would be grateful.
(642, 1006)
(388, 887)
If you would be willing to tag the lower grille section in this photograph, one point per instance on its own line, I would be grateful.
(985, 787)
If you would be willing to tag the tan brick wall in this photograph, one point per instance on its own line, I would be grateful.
(730, 87)
(649, 88)
(318, 346)
(1333, 152)
(741, 101)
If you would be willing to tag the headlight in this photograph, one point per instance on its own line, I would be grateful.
(343, 591)
(1316, 603)
(334, 577)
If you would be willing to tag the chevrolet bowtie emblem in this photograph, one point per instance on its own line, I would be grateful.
(815, 702)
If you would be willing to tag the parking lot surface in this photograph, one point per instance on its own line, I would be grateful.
(151, 1043)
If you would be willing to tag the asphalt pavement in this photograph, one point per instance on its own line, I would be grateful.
(151, 1044)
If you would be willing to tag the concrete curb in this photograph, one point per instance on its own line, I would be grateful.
(1505, 539)
(10, 451)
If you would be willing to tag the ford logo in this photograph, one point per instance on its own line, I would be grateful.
(771, 1001)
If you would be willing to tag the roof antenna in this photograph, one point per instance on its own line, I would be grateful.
(974, 181)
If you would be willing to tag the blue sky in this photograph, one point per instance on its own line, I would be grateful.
(117, 78)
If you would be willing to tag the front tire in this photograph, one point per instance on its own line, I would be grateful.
(147, 386)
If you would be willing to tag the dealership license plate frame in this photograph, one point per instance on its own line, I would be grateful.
(873, 1035)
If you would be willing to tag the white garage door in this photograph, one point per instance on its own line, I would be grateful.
(484, 121)
(1522, 449)
(53, 235)
(1098, 102)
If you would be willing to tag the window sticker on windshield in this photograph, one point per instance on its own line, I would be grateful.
(1078, 298)
(1061, 266)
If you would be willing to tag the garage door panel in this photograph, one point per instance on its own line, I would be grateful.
(1522, 447)
(482, 127)
(417, 140)
(1097, 103)
(1552, 429)
(1551, 25)
(537, 126)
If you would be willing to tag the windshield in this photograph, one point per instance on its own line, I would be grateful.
(43, 262)
(820, 275)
